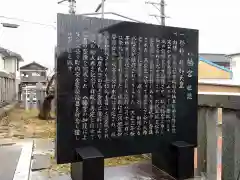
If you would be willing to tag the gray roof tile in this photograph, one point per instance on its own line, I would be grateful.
(215, 57)
(7, 53)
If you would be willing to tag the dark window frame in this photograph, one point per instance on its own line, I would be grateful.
(224, 64)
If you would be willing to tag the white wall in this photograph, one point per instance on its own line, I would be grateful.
(11, 66)
(219, 82)
(1, 63)
(236, 68)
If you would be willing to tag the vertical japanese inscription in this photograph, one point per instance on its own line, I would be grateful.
(106, 86)
(174, 85)
(169, 84)
(159, 125)
(93, 89)
(120, 86)
(181, 64)
(139, 83)
(145, 86)
(181, 68)
(114, 85)
(141, 97)
(100, 77)
(69, 51)
(84, 88)
(77, 73)
(151, 86)
(190, 65)
(163, 84)
(126, 85)
(133, 85)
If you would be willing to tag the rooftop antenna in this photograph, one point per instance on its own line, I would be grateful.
(72, 5)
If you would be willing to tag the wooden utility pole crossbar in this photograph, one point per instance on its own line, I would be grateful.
(161, 8)
(72, 5)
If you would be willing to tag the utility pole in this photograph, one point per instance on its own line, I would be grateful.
(101, 5)
(72, 5)
(161, 8)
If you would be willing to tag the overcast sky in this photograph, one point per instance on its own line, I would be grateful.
(217, 21)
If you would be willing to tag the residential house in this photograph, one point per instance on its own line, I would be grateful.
(210, 70)
(215, 78)
(216, 85)
(33, 73)
(219, 59)
(235, 66)
(10, 76)
(227, 61)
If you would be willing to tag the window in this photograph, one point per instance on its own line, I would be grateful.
(224, 64)
(35, 74)
(17, 65)
(233, 63)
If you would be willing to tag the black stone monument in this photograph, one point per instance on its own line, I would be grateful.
(125, 88)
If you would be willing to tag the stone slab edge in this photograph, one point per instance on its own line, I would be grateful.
(24, 164)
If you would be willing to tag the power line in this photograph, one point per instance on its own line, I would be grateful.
(113, 13)
(26, 21)
(161, 8)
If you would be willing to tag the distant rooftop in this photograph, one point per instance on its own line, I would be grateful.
(215, 57)
(215, 64)
(235, 54)
(8, 54)
(33, 65)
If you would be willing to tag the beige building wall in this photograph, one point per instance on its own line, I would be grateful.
(208, 71)
(218, 88)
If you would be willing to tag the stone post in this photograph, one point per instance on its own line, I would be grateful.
(208, 134)
(231, 145)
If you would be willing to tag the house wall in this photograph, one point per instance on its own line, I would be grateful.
(218, 88)
(1, 63)
(33, 75)
(7, 85)
(208, 71)
(236, 67)
(10, 65)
